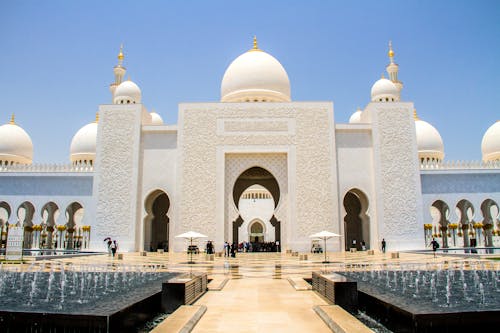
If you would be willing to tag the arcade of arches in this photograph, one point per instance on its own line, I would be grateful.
(49, 230)
(472, 226)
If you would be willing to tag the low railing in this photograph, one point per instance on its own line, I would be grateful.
(459, 165)
(78, 167)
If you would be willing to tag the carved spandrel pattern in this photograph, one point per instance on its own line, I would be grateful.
(115, 207)
(399, 168)
(314, 170)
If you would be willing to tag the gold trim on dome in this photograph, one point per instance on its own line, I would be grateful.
(12, 120)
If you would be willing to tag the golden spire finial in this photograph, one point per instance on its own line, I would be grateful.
(255, 46)
(391, 52)
(120, 55)
(415, 114)
(382, 76)
(12, 120)
(96, 117)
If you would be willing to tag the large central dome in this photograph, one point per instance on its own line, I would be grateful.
(255, 76)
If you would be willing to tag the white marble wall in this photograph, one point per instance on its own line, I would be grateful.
(396, 175)
(117, 171)
(300, 131)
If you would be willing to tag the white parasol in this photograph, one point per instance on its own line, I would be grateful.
(324, 235)
(191, 235)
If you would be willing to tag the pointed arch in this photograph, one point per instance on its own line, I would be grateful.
(156, 222)
(356, 220)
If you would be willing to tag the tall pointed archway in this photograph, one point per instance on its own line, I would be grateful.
(156, 222)
(250, 177)
(356, 221)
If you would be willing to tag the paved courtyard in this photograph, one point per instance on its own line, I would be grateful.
(261, 291)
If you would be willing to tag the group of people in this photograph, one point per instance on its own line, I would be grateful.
(209, 248)
(112, 246)
(363, 245)
(230, 250)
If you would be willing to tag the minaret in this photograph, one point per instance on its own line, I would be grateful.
(392, 69)
(119, 72)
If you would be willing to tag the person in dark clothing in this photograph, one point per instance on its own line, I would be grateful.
(435, 246)
(383, 245)
(233, 250)
(114, 247)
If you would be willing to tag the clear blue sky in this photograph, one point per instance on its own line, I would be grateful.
(56, 58)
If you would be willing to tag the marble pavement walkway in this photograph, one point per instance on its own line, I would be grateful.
(260, 305)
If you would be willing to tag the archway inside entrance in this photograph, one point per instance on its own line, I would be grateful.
(256, 232)
(256, 195)
(156, 222)
(356, 221)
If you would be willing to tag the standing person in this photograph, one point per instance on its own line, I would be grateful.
(109, 242)
(114, 247)
(435, 246)
(363, 245)
(383, 245)
(233, 250)
(226, 249)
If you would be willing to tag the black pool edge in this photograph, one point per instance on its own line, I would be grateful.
(124, 320)
(400, 320)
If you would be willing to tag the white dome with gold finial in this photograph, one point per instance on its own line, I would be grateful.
(490, 145)
(384, 90)
(127, 93)
(16, 146)
(429, 142)
(83, 145)
(255, 76)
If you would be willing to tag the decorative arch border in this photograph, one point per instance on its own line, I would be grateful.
(236, 163)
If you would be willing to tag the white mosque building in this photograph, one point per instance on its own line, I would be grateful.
(256, 166)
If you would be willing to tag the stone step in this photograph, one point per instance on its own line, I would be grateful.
(217, 282)
(181, 320)
(339, 320)
(299, 283)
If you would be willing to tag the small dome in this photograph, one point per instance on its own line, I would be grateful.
(83, 145)
(127, 93)
(16, 146)
(255, 76)
(384, 90)
(356, 117)
(491, 143)
(156, 119)
(429, 141)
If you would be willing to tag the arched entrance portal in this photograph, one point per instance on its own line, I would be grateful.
(268, 184)
(356, 222)
(256, 234)
(156, 223)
